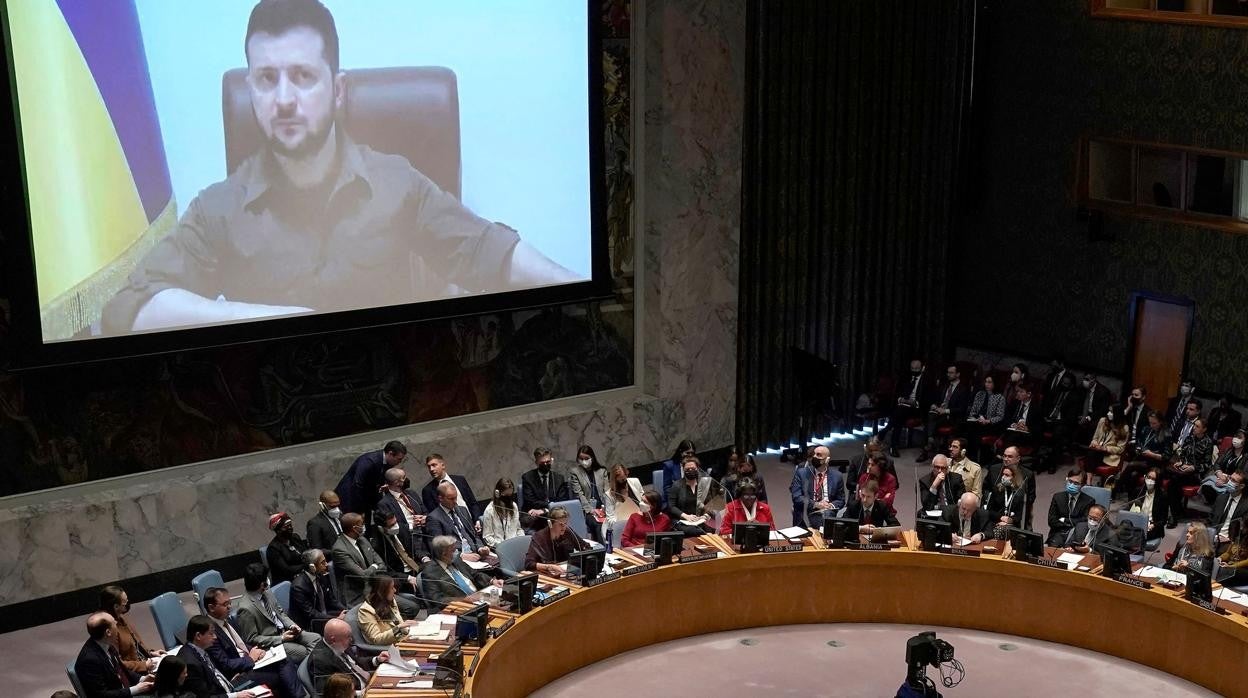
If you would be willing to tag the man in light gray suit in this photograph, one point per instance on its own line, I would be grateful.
(263, 623)
(355, 560)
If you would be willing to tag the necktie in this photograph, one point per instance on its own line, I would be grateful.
(1070, 506)
(320, 595)
(948, 393)
(1226, 515)
(221, 680)
(1087, 404)
(1087, 540)
(360, 675)
(1022, 412)
(966, 528)
(403, 556)
(819, 483)
(459, 530)
(115, 658)
(271, 612)
(237, 639)
(942, 501)
(914, 387)
(461, 581)
(337, 526)
(546, 485)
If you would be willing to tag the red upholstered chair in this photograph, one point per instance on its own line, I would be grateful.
(408, 111)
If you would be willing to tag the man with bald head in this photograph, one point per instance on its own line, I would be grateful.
(940, 488)
(336, 655)
(969, 520)
(326, 526)
(399, 501)
(99, 666)
(449, 518)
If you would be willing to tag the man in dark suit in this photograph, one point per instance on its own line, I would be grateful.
(968, 518)
(409, 514)
(1013, 458)
(952, 398)
(355, 560)
(1228, 507)
(325, 527)
(1137, 412)
(234, 658)
(541, 486)
(337, 655)
(99, 666)
(1061, 412)
(312, 597)
(438, 475)
(359, 487)
(1053, 381)
(203, 680)
(940, 488)
(1176, 408)
(816, 489)
(914, 391)
(1091, 533)
(1068, 507)
(870, 512)
(1093, 404)
(448, 518)
(1024, 419)
(446, 577)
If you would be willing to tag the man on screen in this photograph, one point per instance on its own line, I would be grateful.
(315, 222)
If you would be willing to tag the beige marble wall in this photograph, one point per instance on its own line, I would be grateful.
(694, 57)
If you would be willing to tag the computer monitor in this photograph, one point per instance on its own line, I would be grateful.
(1199, 586)
(474, 624)
(519, 591)
(934, 533)
(449, 671)
(584, 565)
(1026, 543)
(665, 545)
(839, 531)
(751, 536)
(1114, 561)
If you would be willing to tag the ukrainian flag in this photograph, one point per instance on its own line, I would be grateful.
(96, 176)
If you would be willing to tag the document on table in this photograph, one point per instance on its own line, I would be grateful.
(776, 535)
(960, 541)
(1162, 574)
(794, 532)
(272, 656)
(442, 619)
(1232, 596)
(1072, 560)
(415, 684)
(477, 565)
(427, 631)
(934, 513)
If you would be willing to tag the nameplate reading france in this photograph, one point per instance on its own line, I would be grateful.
(1127, 579)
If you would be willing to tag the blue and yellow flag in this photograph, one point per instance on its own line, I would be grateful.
(96, 175)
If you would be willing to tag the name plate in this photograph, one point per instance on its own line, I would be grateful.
(698, 557)
(504, 627)
(1209, 606)
(964, 552)
(790, 548)
(1132, 581)
(602, 579)
(1047, 562)
(551, 598)
(645, 567)
(867, 546)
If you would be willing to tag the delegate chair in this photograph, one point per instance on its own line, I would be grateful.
(170, 619)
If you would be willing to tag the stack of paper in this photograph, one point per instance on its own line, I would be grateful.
(1162, 575)
(1232, 596)
(1072, 560)
(477, 565)
(272, 656)
(776, 535)
(794, 532)
(426, 630)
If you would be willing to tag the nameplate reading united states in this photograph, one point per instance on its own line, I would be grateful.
(602, 579)
(791, 548)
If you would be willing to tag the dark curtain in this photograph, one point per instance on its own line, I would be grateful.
(856, 112)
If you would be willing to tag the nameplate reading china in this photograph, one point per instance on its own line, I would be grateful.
(551, 598)
(699, 557)
(964, 552)
(1208, 606)
(1047, 562)
(1127, 579)
(867, 546)
(504, 627)
(645, 567)
(602, 579)
(790, 548)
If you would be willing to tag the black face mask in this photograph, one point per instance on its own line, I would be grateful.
(691, 475)
(407, 484)
(507, 498)
(544, 467)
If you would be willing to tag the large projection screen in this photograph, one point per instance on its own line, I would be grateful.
(206, 171)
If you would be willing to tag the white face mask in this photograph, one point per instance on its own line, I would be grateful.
(1006, 480)
(393, 530)
(585, 462)
(1015, 376)
(1109, 416)
(334, 513)
(1150, 484)
(1093, 523)
(1237, 442)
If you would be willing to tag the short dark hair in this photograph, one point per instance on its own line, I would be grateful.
(961, 442)
(540, 452)
(254, 576)
(432, 457)
(210, 597)
(198, 624)
(395, 447)
(1193, 401)
(276, 17)
(1074, 472)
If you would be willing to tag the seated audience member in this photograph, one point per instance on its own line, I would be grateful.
(671, 466)
(312, 597)
(355, 560)
(869, 511)
(1006, 502)
(1090, 533)
(325, 527)
(1193, 551)
(233, 657)
(541, 486)
(204, 679)
(587, 480)
(686, 500)
(968, 519)
(1012, 458)
(1019, 375)
(1224, 420)
(501, 518)
(409, 512)
(1137, 411)
(1024, 420)
(1228, 507)
(135, 654)
(448, 577)
(741, 466)
(1093, 403)
(1061, 415)
(380, 621)
(264, 623)
(1188, 468)
(339, 686)
(914, 392)
(170, 679)
(1152, 449)
(961, 464)
(358, 491)
(816, 489)
(885, 482)
(284, 556)
(1236, 557)
(987, 411)
(948, 408)
(552, 545)
(1057, 372)
(1176, 407)
(437, 475)
(746, 507)
(873, 448)
(99, 666)
(1149, 498)
(1107, 444)
(448, 518)
(1229, 461)
(940, 488)
(388, 541)
(337, 655)
(1067, 508)
(651, 519)
(621, 489)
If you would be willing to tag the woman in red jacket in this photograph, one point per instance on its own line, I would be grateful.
(746, 507)
(652, 521)
(885, 482)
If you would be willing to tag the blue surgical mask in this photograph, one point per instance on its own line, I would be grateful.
(1071, 488)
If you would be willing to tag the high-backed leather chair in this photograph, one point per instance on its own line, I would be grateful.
(413, 112)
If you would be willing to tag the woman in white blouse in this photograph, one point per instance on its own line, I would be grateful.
(623, 497)
(501, 519)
